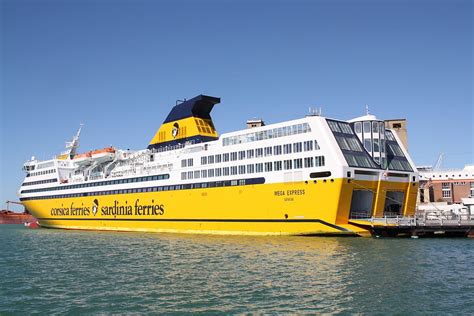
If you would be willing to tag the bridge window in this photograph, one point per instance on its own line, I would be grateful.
(358, 127)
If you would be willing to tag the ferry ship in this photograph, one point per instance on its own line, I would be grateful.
(309, 176)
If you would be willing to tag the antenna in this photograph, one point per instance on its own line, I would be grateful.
(367, 109)
(314, 111)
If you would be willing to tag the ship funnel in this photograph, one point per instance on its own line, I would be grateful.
(188, 122)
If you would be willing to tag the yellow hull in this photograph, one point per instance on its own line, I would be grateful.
(296, 208)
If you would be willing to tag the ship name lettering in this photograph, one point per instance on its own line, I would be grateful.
(147, 210)
(79, 211)
(70, 211)
(116, 209)
(295, 192)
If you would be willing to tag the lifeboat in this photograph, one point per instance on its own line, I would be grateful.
(83, 159)
(103, 155)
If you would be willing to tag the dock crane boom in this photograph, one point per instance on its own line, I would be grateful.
(14, 202)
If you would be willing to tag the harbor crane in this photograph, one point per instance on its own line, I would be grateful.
(439, 162)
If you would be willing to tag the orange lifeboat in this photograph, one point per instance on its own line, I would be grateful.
(83, 159)
(104, 154)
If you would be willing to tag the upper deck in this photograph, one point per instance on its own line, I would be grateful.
(187, 151)
(305, 149)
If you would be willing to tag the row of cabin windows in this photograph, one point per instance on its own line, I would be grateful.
(267, 134)
(40, 182)
(40, 173)
(289, 164)
(101, 183)
(187, 162)
(260, 152)
(201, 185)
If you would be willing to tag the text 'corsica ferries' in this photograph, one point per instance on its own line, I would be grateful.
(310, 176)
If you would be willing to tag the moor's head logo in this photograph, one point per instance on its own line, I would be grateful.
(175, 130)
(95, 206)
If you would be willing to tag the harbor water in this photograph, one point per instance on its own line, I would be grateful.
(58, 271)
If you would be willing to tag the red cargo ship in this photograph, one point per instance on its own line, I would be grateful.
(9, 217)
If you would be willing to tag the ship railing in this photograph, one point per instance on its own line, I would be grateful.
(167, 148)
(96, 177)
(455, 170)
(455, 220)
(187, 148)
(359, 214)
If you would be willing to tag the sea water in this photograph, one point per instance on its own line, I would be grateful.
(50, 271)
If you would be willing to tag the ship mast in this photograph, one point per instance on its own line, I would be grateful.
(71, 147)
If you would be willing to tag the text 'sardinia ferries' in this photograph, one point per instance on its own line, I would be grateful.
(310, 176)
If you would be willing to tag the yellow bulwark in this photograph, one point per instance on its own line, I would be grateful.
(62, 157)
(189, 121)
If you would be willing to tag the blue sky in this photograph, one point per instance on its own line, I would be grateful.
(119, 66)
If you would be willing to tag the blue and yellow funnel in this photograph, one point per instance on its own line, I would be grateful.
(189, 121)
